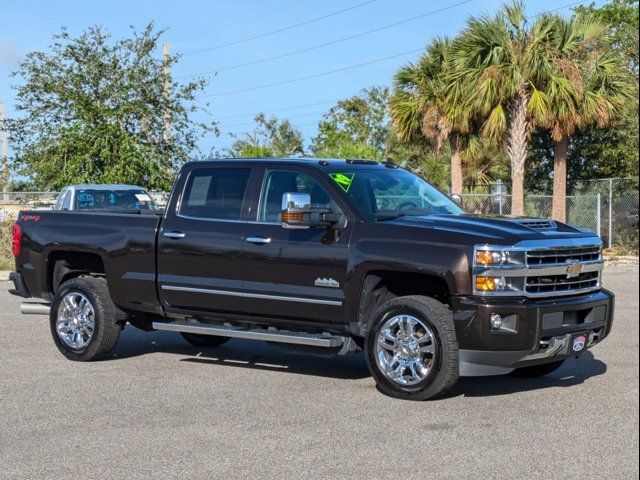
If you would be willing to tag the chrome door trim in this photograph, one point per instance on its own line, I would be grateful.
(261, 296)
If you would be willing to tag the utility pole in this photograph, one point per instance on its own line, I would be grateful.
(3, 139)
(167, 92)
(166, 133)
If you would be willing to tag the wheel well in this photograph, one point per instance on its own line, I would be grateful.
(381, 286)
(63, 266)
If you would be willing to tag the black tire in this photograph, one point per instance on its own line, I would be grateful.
(106, 328)
(445, 370)
(204, 340)
(537, 370)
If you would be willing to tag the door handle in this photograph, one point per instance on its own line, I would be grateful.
(174, 235)
(259, 240)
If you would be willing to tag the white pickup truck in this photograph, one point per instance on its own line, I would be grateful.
(104, 197)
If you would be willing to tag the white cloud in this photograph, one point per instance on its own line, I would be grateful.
(8, 54)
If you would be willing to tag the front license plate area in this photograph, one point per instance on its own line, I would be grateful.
(578, 343)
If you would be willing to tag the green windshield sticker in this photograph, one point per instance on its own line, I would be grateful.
(343, 179)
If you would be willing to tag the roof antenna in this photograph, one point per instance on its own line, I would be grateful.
(389, 163)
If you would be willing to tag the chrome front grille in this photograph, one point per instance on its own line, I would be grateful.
(560, 283)
(564, 255)
(563, 271)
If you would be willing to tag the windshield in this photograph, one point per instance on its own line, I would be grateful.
(384, 194)
(96, 199)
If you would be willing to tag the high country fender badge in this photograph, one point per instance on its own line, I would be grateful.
(326, 282)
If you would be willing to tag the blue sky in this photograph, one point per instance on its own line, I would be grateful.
(200, 24)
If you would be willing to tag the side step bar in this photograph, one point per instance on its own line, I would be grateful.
(269, 335)
(27, 308)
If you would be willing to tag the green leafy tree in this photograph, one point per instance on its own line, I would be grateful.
(621, 18)
(360, 127)
(595, 152)
(593, 89)
(270, 138)
(94, 110)
(421, 107)
(356, 127)
(502, 64)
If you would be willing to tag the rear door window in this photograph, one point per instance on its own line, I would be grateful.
(215, 193)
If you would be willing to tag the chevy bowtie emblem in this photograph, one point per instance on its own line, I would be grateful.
(574, 270)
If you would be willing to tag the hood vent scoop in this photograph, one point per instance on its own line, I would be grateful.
(540, 225)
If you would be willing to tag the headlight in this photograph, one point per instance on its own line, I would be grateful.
(490, 270)
(486, 257)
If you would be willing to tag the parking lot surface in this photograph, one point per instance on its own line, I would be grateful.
(161, 408)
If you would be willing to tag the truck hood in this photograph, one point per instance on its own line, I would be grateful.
(501, 230)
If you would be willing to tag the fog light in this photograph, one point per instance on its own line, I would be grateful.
(496, 321)
(485, 284)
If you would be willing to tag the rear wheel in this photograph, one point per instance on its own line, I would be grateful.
(83, 319)
(537, 370)
(411, 349)
(204, 340)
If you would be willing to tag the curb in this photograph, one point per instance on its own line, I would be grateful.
(622, 260)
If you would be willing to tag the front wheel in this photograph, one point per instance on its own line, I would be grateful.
(412, 350)
(83, 319)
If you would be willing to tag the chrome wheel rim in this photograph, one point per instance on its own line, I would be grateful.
(406, 350)
(76, 320)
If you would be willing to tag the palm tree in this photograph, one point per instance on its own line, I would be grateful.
(598, 94)
(502, 64)
(419, 108)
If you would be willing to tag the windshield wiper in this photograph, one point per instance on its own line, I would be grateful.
(383, 216)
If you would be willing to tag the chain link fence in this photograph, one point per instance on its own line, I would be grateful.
(583, 211)
(608, 207)
(614, 215)
(619, 213)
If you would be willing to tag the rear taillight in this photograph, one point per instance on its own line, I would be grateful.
(16, 242)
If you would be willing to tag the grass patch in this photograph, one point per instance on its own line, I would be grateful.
(7, 265)
(6, 256)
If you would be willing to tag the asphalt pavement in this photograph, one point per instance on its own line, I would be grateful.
(163, 409)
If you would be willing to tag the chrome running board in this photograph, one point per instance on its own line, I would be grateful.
(27, 308)
(267, 334)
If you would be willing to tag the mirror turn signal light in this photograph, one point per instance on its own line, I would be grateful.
(292, 217)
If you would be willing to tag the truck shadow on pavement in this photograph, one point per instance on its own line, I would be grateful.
(573, 372)
(241, 354)
(261, 356)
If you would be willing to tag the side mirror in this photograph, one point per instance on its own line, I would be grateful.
(456, 198)
(298, 214)
(296, 210)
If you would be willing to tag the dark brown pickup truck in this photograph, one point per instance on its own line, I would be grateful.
(334, 256)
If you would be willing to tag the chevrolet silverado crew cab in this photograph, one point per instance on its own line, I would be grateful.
(332, 256)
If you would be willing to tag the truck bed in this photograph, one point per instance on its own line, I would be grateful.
(124, 244)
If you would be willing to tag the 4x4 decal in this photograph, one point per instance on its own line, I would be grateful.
(343, 179)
